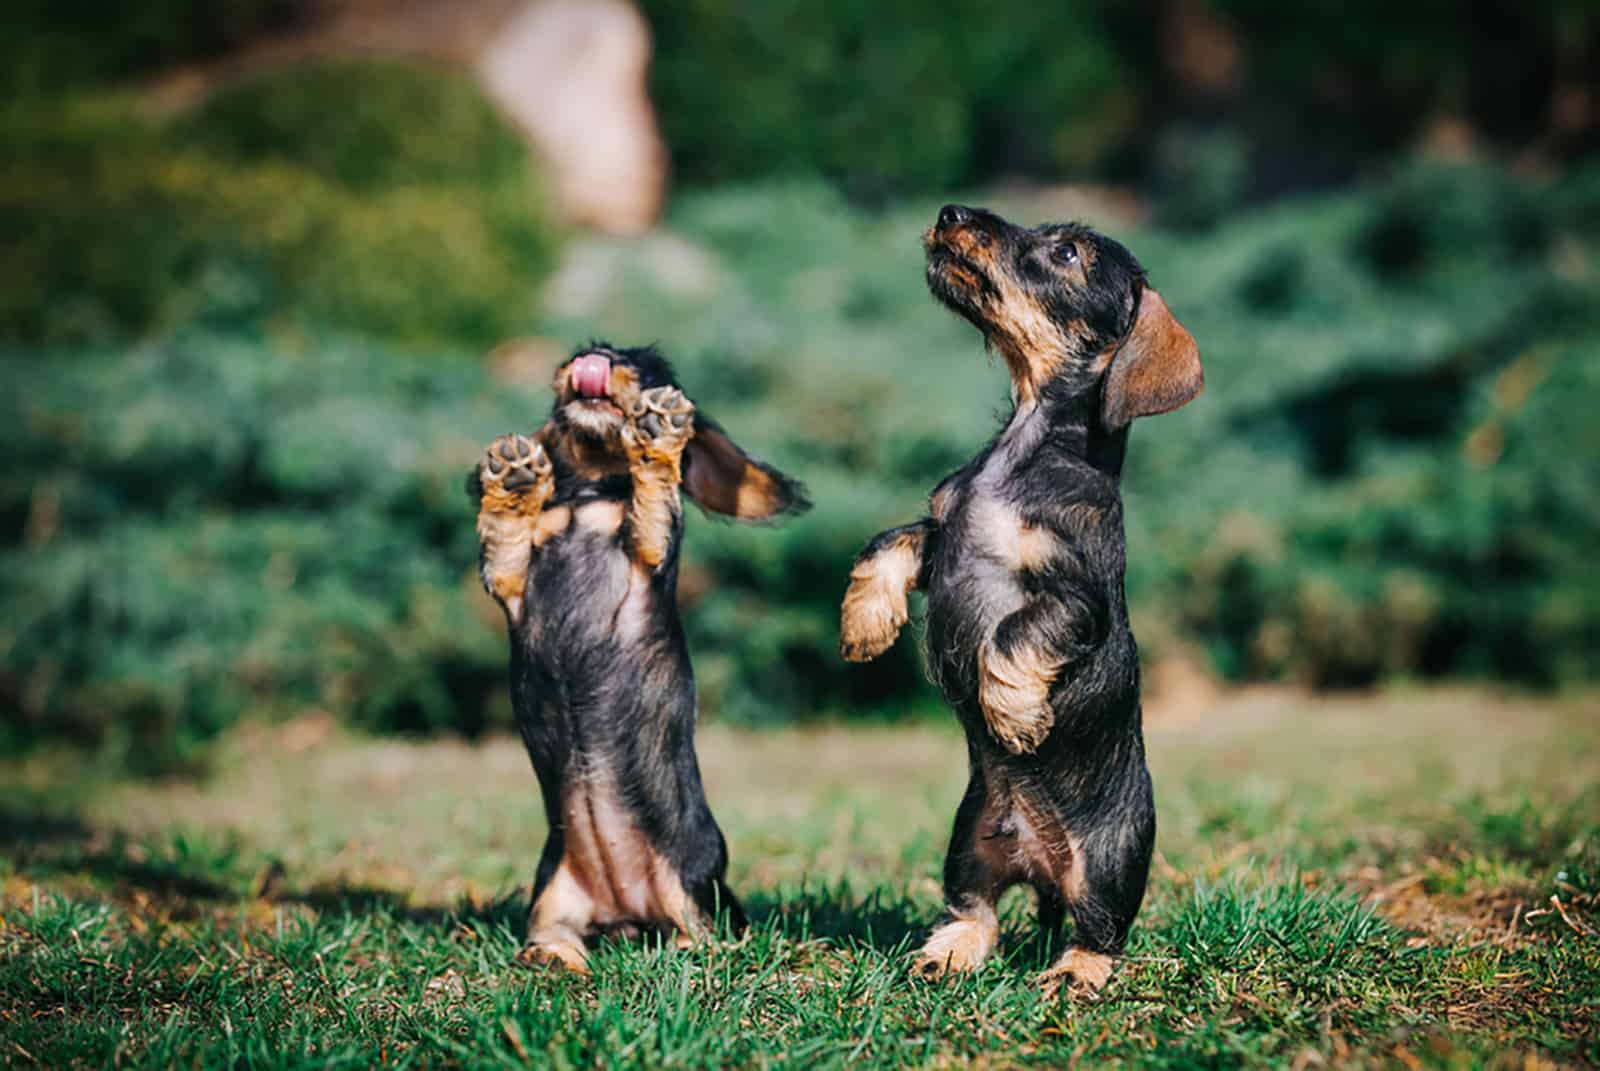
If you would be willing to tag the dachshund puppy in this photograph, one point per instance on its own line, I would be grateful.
(1021, 556)
(579, 528)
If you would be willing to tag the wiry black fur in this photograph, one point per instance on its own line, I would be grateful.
(1057, 466)
(585, 701)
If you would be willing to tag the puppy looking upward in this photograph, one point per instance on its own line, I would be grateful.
(579, 528)
(1021, 556)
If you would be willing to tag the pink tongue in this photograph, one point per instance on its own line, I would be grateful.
(591, 375)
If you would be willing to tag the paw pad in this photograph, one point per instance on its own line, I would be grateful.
(516, 463)
(660, 422)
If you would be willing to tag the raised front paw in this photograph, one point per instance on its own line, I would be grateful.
(515, 475)
(659, 425)
(1014, 692)
(870, 618)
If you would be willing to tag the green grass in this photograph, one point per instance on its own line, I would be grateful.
(1352, 882)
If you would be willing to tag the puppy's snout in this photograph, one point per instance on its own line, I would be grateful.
(954, 216)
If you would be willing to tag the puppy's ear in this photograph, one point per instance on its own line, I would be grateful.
(721, 478)
(1156, 370)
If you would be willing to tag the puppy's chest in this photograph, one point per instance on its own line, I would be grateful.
(988, 529)
(583, 586)
(988, 558)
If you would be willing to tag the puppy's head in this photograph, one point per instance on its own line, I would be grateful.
(600, 384)
(1064, 304)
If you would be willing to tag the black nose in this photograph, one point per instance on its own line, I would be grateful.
(954, 215)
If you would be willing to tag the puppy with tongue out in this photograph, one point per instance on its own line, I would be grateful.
(579, 526)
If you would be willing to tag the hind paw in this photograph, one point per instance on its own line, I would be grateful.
(553, 955)
(1081, 972)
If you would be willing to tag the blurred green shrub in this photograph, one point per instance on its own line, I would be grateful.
(888, 96)
(204, 527)
(1390, 474)
(408, 212)
(48, 45)
(905, 96)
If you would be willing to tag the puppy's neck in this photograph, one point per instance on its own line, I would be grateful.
(588, 457)
(1070, 415)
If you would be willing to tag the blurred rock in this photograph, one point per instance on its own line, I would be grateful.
(1105, 206)
(572, 73)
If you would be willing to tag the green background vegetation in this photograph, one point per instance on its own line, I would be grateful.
(243, 353)
(1391, 473)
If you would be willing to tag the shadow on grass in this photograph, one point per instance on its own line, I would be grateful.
(46, 845)
(57, 847)
(188, 877)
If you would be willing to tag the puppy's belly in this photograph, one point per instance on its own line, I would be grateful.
(630, 885)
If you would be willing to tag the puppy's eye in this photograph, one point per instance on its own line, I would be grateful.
(1066, 253)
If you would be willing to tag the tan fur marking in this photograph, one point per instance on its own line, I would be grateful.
(1019, 546)
(1051, 854)
(721, 478)
(875, 607)
(655, 498)
(1034, 346)
(602, 517)
(1157, 369)
(621, 881)
(958, 946)
(758, 495)
(1084, 973)
(1014, 692)
(508, 516)
(552, 523)
(556, 925)
(655, 457)
(939, 503)
(507, 540)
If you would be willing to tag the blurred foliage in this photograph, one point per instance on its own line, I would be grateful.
(1391, 473)
(882, 95)
(1223, 99)
(48, 45)
(204, 526)
(408, 212)
(1373, 71)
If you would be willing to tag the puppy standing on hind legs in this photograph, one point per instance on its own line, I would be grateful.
(579, 528)
(1021, 556)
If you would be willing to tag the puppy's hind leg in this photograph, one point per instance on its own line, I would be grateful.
(1103, 888)
(969, 929)
(704, 877)
(514, 480)
(558, 918)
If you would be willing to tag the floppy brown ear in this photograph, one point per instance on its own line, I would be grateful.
(1156, 370)
(721, 478)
